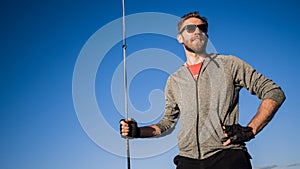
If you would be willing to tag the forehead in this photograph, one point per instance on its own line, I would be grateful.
(195, 21)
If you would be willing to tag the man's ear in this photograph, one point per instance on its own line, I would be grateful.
(179, 38)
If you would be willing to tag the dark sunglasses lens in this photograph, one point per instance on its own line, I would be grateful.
(203, 28)
(191, 28)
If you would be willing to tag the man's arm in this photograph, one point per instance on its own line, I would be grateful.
(271, 94)
(167, 123)
(272, 98)
(150, 131)
(143, 132)
(265, 113)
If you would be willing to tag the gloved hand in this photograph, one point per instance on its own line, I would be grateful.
(237, 133)
(129, 128)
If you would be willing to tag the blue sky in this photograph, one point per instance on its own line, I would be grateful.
(42, 41)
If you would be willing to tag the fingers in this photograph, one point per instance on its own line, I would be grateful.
(224, 131)
(124, 127)
(227, 142)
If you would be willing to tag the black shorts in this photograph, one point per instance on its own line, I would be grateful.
(226, 159)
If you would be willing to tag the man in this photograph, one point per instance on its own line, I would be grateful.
(204, 94)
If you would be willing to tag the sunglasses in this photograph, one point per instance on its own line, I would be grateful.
(192, 28)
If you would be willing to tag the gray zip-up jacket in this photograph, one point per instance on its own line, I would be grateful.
(206, 104)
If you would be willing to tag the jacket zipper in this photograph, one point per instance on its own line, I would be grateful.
(197, 121)
(197, 105)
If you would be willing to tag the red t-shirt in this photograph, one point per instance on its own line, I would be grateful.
(195, 69)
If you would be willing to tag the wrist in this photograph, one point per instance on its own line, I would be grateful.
(147, 131)
(254, 129)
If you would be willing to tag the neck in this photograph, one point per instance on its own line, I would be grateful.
(194, 58)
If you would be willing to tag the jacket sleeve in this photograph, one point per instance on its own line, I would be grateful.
(171, 114)
(246, 76)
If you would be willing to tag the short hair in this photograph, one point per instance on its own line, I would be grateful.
(191, 15)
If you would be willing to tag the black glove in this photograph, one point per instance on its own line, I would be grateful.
(238, 134)
(134, 130)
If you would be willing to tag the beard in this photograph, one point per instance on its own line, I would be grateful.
(198, 49)
(196, 44)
